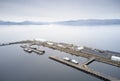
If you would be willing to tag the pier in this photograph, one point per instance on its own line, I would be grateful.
(84, 68)
(69, 48)
(36, 50)
(89, 61)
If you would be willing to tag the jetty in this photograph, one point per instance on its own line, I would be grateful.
(30, 49)
(84, 68)
(89, 61)
(103, 56)
(19, 42)
(73, 50)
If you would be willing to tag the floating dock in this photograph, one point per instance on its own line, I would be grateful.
(84, 68)
(38, 51)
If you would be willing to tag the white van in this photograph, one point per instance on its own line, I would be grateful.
(74, 61)
(66, 58)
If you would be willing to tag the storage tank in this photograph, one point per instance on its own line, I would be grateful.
(115, 58)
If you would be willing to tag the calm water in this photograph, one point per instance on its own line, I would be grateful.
(17, 65)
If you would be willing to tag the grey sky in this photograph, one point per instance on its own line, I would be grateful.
(55, 10)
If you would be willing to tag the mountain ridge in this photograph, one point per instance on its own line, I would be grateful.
(90, 22)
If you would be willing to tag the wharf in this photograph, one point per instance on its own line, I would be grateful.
(84, 68)
(89, 61)
(38, 51)
(68, 49)
(90, 54)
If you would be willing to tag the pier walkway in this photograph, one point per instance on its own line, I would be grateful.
(89, 61)
(84, 69)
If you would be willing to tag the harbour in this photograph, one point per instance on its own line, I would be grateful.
(79, 51)
(15, 62)
(71, 49)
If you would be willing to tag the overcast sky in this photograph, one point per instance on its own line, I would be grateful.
(55, 10)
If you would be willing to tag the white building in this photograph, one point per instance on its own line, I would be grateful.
(115, 58)
(79, 48)
(60, 45)
(41, 40)
(50, 43)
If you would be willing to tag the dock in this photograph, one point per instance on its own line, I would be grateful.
(38, 51)
(68, 48)
(89, 61)
(84, 68)
(89, 53)
(71, 49)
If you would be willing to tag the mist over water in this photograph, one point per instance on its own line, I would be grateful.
(17, 65)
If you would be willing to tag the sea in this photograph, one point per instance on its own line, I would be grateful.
(18, 65)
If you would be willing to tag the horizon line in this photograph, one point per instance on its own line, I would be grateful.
(56, 21)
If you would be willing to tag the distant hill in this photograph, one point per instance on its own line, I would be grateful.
(22, 23)
(89, 22)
